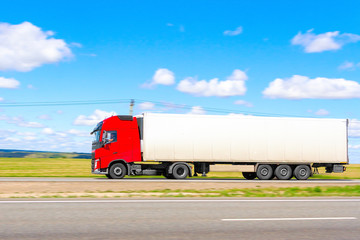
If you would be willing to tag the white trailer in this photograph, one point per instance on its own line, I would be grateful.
(264, 146)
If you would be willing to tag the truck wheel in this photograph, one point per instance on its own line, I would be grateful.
(264, 172)
(283, 172)
(302, 172)
(117, 171)
(108, 176)
(249, 175)
(180, 171)
(167, 175)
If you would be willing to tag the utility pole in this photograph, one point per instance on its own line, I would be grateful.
(131, 109)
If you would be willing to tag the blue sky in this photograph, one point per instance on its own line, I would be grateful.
(261, 57)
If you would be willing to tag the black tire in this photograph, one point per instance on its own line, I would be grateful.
(302, 172)
(249, 175)
(167, 174)
(108, 176)
(180, 171)
(283, 172)
(265, 172)
(117, 171)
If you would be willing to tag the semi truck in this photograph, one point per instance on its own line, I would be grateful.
(178, 146)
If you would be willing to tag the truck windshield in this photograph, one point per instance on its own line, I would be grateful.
(96, 132)
(96, 136)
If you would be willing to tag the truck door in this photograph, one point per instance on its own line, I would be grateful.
(110, 149)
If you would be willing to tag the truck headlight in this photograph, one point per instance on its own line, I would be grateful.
(96, 164)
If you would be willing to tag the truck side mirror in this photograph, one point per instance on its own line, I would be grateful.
(104, 138)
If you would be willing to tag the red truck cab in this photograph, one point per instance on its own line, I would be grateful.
(116, 142)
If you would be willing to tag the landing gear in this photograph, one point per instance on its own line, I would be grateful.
(249, 175)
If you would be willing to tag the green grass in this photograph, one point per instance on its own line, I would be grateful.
(45, 167)
(74, 167)
(327, 191)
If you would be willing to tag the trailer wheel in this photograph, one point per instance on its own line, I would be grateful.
(249, 175)
(180, 171)
(265, 172)
(117, 171)
(283, 172)
(302, 172)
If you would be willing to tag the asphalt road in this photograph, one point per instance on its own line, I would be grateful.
(181, 219)
(54, 179)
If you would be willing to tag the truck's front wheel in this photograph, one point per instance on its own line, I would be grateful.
(117, 171)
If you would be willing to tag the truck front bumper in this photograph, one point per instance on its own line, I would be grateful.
(99, 171)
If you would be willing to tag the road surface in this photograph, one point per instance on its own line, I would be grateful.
(330, 218)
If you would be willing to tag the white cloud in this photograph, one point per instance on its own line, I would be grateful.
(354, 146)
(323, 42)
(48, 131)
(45, 117)
(8, 82)
(197, 110)
(11, 139)
(347, 66)
(25, 46)
(29, 138)
(162, 76)
(58, 141)
(354, 128)
(237, 31)
(146, 106)
(78, 133)
(243, 102)
(30, 124)
(19, 121)
(300, 87)
(322, 112)
(234, 85)
(93, 119)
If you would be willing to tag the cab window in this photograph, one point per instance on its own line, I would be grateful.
(110, 136)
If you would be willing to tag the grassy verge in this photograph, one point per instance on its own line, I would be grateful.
(72, 167)
(346, 191)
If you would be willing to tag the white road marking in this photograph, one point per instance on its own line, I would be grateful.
(179, 200)
(290, 219)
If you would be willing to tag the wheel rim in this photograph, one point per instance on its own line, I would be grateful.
(284, 172)
(180, 171)
(117, 171)
(264, 171)
(302, 172)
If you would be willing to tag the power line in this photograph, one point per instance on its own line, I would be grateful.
(121, 101)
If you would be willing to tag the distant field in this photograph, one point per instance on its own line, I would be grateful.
(8, 153)
(74, 167)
